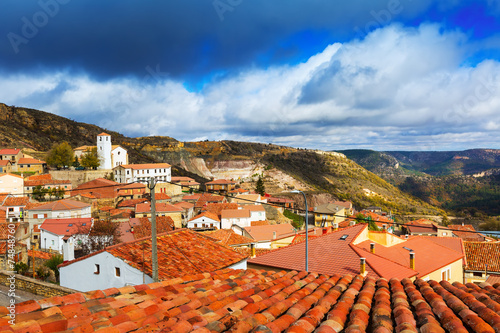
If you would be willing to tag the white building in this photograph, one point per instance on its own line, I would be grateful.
(257, 212)
(124, 264)
(61, 209)
(12, 184)
(54, 232)
(142, 172)
(109, 155)
(239, 217)
(204, 220)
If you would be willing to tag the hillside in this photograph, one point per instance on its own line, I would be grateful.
(466, 182)
(283, 168)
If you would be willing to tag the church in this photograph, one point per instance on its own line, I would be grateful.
(110, 155)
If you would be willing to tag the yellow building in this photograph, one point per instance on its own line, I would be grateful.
(28, 164)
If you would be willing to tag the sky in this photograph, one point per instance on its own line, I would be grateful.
(383, 75)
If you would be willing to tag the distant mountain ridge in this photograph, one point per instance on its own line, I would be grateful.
(435, 163)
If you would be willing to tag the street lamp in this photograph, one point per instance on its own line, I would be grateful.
(307, 234)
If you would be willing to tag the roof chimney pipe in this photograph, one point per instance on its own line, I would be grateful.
(412, 260)
(372, 247)
(252, 250)
(335, 226)
(352, 222)
(362, 266)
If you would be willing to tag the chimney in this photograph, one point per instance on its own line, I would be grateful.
(352, 222)
(68, 250)
(274, 235)
(372, 247)
(252, 250)
(335, 226)
(362, 266)
(325, 231)
(412, 260)
(384, 227)
(406, 236)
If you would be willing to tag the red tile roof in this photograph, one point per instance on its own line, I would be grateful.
(192, 197)
(220, 182)
(103, 134)
(228, 237)
(4, 163)
(466, 232)
(6, 228)
(330, 254)
(162, 196)
(131, 202)
(16, 201)
(64, 204)
(8, 151)
(424, 249)
(29, 160)
(160, 207)
(217, 208)
(480, 254)
(269, 232)
(143, 229)
(180, 252)
(40, 254)
(126, 231)
(68, 227)
(207, 198)
(184, 205)
(235, 213)
(256, 223)
(210, 215)
(43, 176)
(100, 188)
(266, 301)
(44, 182)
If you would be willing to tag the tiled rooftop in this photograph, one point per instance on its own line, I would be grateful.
(228, 237)
(16, 201)
(209, 215)
(466, 232)
(65, 204)
(180, 252)
(146, 166)
(269, 232)
(70, 226)
(29, 160)
(480, 254)
(143, 229)
(131, 202)
(160, 207)
(265, 302)
(217, 208)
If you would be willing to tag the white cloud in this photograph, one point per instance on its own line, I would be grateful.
(399, 88)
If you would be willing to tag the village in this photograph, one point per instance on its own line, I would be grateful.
(98, 235)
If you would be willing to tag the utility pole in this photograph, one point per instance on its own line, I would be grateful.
(154, 250)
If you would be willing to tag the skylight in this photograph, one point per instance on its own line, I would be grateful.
(407, 248)
(344, 237)
(70, 225)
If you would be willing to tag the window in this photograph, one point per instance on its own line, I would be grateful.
(117, 271)
(445, 233)
(52, 242)
(97, 269)
(100, 138)
(477, 274)
(446, 274)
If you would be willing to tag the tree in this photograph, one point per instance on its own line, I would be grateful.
(90, 159)
(53, 262)
(76, 162)
(445, 221)
(103, 234)
(61, 155)
(39, 192)
(259, 186)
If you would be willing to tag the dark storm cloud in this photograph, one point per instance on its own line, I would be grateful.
(185, 38)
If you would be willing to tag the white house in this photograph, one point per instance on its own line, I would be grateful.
(119, 156)
(240, 217)
(180, 252)
(104, 150)
(12, 184)
(61, 209)
(53, 232)
(129, 173)
(257, 212)
(204, 220)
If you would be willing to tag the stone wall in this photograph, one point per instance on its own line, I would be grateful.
(78, 177)
(34, 286)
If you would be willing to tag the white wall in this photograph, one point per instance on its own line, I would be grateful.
(242, 222)
(119, 156)
(104, 151)
(11, 184)
(203, 220)
(257, 216)
(240, 265)
(46, 239)
(80, 274)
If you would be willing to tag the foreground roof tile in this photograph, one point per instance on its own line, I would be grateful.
(266, 301)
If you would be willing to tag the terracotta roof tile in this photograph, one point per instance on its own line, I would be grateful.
(480, 254)
(228, 237)
(70, 226)
(131, 202)
(9, 151)
(267, 301)
(143, 228)
(174, 249)
(206, 214)
(467, 232)
(29, 160)
(269, 232)
(16, 201)
(160, 207)
(145, 166)
(65, 204)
